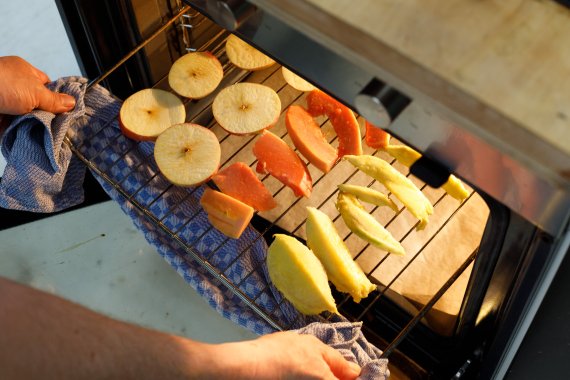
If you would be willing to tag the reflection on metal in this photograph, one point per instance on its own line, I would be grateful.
(492, 171)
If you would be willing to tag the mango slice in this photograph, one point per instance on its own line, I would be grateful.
(407, 156)
(364, 225)
(368, 195)
(454, 187)
(299, 275)
(328, 246)
(404, 189)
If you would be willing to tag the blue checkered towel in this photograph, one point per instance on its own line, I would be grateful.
(154, 205)
(41, 174)
(347, 338)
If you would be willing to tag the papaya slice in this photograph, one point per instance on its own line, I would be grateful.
(407, 156)
(342, 119)
(226, 214)
(375, 137)
(309, 139)
(240, 182)
(299, 275)
(279, 160)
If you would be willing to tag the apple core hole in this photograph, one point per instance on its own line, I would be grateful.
(244, 106)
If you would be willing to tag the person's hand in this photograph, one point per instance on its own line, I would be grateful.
(283, 355)
(22, 89)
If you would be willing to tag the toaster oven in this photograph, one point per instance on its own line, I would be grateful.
(460, 302)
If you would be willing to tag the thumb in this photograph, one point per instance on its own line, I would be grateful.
(340, 367)
(54, 102)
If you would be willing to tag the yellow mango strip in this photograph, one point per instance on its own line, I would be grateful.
(407, 156)
(365, 226)
(325, 242)
(402, 188)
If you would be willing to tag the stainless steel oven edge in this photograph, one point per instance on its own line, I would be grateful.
(521, 184)
(529, 302)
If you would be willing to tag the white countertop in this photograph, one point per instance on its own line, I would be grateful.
(94, 256)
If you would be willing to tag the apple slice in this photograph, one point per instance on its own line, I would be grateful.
(309, 139)
(195, 75)
(246, 108)
(296, 81)
(278, 159)
(187, 154)
(245, 56)
(147, 113)
(226, 214)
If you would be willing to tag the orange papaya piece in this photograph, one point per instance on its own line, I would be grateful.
(309, 139)
(279, 160)
(240, 182)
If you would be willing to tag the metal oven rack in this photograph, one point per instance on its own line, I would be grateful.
(236, 148)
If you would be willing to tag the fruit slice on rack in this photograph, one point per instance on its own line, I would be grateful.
(187, 154)
(298, 274)
(342, 119)
(407, 156)
(226, 214)
(239, 181)
(278, 159)
(147, 113)
(403, 154)
(195, 75)
(364, 225)
(309, 139)
(368, 195)
(296, 81)
(398, 184)
(325, 242)
(246, 108)
(375, 137)
(245, 56)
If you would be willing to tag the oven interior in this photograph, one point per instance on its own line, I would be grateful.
(434, 308)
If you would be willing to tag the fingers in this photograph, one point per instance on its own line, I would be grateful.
(340, 367)
(54, 102)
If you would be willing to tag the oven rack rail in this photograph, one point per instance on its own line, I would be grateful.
(201, 114)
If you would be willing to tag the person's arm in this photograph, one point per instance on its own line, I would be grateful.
(44, 336)
(22, 89)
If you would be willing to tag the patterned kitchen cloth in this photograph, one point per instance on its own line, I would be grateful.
(41, 173)
(158, 209)
(348, 339)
